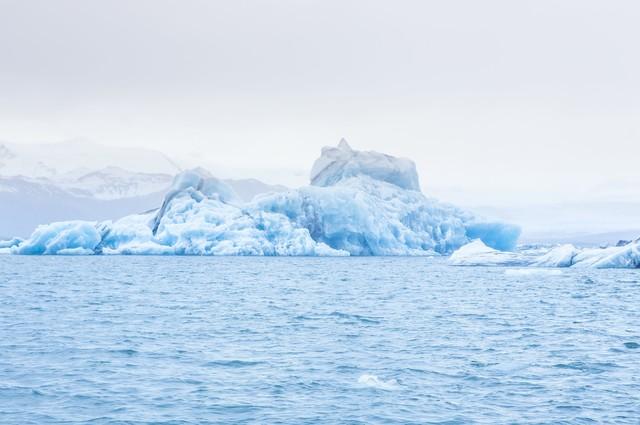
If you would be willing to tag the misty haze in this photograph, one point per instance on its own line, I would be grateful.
(310, 212)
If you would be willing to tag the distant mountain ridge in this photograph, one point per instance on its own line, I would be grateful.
(29, 202)
(76, 180)
(115, 183)
(55, 159)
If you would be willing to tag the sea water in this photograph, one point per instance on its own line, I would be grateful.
(194, 340)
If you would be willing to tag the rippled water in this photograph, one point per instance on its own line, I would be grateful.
(314, 340)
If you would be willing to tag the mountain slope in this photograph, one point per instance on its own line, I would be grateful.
(55, 159)
(26, 204)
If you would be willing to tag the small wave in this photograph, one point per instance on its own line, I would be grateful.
(531, 272)
(231, 363)
(124, 351)
(357, 317)
(374, 382)
(594, 368)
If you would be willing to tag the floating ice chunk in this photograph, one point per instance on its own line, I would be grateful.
(532, 272)
(67, 237)
(627, 256)
(10, 243)
(477, 253)
(342, 162)
(561, 256)
(374, 382)
(589, 257)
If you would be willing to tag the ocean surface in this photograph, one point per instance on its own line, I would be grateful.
(194, 340)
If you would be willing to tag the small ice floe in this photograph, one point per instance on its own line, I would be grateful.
(532, 272)
(560, 256)
(476, 253)
(373, 381)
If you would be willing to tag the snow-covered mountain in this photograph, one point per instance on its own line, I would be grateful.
(113, 183)
(53, 160)
(80, 180)
(28, 202)
(99, 195)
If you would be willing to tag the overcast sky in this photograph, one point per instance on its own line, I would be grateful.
(492, 99)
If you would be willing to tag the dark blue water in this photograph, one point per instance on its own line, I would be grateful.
(189, 340)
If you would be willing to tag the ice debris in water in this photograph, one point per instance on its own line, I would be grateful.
(374, 382)
(561, 256)
(67, 237)
(477, 253)
(358, 203)
(533, 272)
(10, 242)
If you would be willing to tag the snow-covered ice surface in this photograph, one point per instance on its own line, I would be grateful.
(476, 253)
(359, 203)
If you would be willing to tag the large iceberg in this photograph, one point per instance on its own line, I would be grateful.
(358, 203)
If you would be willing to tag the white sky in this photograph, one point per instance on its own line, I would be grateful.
(499, 101)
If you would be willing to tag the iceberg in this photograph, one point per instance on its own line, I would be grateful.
(624, 257)
(365, 216)
(560, 256)
(358, 203)
(477, 253)
(627, 256)
(67, 237)
(10, 242)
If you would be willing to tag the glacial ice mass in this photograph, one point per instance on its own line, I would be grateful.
(358, 203)
(476, 253)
